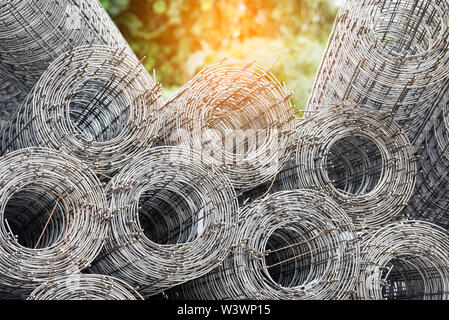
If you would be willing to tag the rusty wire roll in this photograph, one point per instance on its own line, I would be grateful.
(361, 158)
(431, 201)
(296, 244)
(33, 33)
(85, 287)
(238, 113)
(392, 55)
(53, 218)
(405, 260)
(172, 220)
(96, 103)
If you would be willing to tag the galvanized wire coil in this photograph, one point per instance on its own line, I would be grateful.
(361, 158)
(355, 154)
(172, 220)
(10, 99)
(53, 218)
(405, 260)
(238, 113)
(392, 55)
(33, 33)
(431, 200)
(296, 244)
(85, 287)
(96, 103)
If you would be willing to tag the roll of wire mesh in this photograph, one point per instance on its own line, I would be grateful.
(392, 55)
(172, 220)
(53, 218)
(361, 158)
(10, 99)
(404, 260)
(355, 154)
(431, 201)
(296, 244)
(85, 287)
(33, 33)
(238, 113)
(96, 103)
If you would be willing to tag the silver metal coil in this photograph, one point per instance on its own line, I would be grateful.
(392, 55)
(85, 287)
(359, 157)
(431, 201)
(238, 113)
(10, 99)
(296, 244)
(355, 154)
(405, 260)
(172, 220)
(53, 218)
(33, 33)
(96, 103)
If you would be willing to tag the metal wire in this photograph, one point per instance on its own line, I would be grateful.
(33, 33)
(53, 218)
(405, 260)
(392, 55)
(296, 244)
(172, 220)
(239, 114)
(431, 202)
(10, 99)
(96, 103)
(85, 287)
(358, 156)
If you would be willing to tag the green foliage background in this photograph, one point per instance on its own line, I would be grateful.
(180, 37)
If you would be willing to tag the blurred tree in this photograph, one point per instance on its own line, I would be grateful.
(179, 37)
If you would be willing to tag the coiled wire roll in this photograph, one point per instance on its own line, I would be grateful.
(33, 33)
(53, 218)
(10, 99)
(431, 201)
(296, 244)
(392, 55)
(96, 103)
(405, 260)
(238, 113)
(85, 287)
(361, 158)
(355, 154)
(172, 220)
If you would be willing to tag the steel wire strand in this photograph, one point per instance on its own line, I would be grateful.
(33, 33)
(85, 287)
(97, 103)
(388, 54)
(53, 218)
(237, 112)
(404, 260)
(172, 220)
(296, 244)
